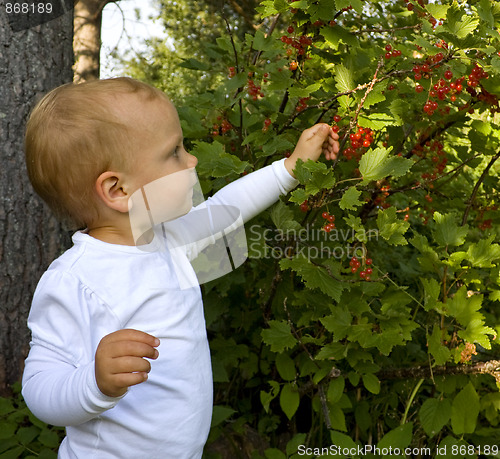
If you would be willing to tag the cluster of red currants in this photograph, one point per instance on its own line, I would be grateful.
(330, 225)
(433, 150)
(391, 52)
(380, 199)
(267, 124)
(360, 139)
(300, 44)
(366, 271)
(302, 104)
(224, 127)
(254, 90)
(485, 224)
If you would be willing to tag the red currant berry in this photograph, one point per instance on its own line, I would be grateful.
(368, 261)
(388, 47)
(448, 74)
(290, 29)
(336, 118)
(325, 215)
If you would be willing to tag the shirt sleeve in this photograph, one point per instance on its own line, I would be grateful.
(226, 211)
(59, 383)
(255, 192)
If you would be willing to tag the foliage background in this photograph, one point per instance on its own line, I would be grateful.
(305, 351)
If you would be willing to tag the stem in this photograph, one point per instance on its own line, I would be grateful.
(410, 400)
(399, 287)
(476, 187)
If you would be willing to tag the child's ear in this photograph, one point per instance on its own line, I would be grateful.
(110, 189)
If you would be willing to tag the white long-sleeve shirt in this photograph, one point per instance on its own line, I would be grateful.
(96, 288)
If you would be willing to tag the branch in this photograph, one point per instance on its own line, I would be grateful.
(490, 367)
(476, 187)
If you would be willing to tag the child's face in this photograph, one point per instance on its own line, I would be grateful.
(158, 149)
(163, 178)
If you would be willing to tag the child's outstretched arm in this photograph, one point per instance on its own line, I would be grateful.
(316, 140)
(257, 191)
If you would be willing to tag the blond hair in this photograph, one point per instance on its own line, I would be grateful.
(72, 136)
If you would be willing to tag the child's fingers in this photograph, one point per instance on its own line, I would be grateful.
(129, 379)
(128, 334)
(129, 364)
(130, 348)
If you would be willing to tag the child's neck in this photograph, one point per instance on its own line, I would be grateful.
(119, 236)
(111, 235)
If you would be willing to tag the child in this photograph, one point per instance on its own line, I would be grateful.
(119, 353)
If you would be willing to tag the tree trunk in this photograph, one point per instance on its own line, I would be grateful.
(33, 60)
(87, 38)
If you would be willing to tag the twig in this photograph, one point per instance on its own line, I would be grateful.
(476, 187)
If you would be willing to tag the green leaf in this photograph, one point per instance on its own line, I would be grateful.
(376, 164)
(334, 35)
(371, 383)
(400, 110)
(6, 406)
(344, 78)
(278, 336)
(483, 253)
(337, 417)
(282, 217)
(391, 228)
(261, 43)
(315, 175)
(350, 199)
(194, 64)
(440, 353)
(220, 414)
(399, 438)
(434, 414)
(313, 276)
(215, 162)
(484, 11)
(26, 435)
(342, 440)
(456, 26)
(375, 96)
(286, 367)
(289, 400)
(465, 410)
(339, 322)
(335, 389)
(463, 308)
(14, 453)
(438, 11)
(356, 4)
(447, 231)
(274, 453)
(431, 292)
(267, 397)
(377, 121)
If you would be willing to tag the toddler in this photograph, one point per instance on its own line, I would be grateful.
(119, 352)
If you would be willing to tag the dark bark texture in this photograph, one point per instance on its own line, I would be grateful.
(32, 61)
(87, 38)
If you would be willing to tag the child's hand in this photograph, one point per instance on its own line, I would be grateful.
(120, 360)
(316, 140)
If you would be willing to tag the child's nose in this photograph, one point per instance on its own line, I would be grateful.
(192, 160)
